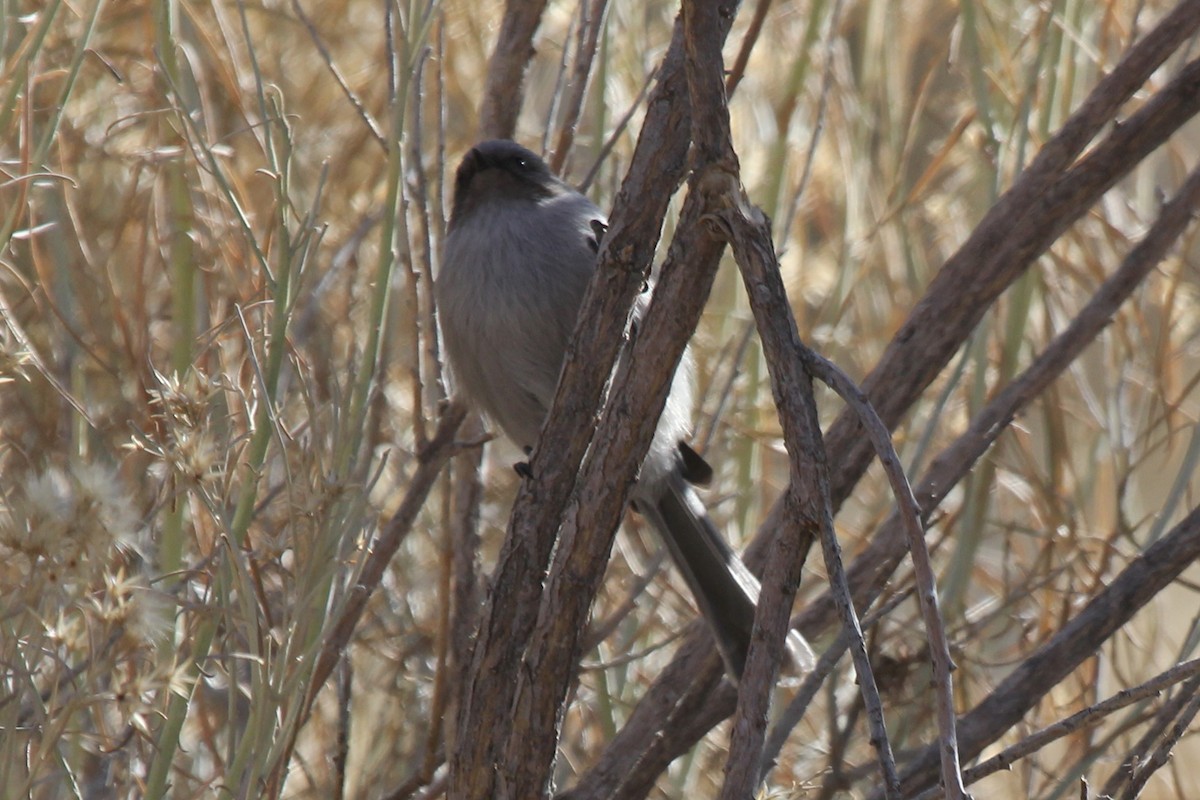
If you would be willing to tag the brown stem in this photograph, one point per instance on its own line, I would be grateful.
(504, 93)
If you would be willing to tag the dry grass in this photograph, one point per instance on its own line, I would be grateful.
(215, 378)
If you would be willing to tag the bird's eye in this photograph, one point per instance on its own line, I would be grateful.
(522, 163)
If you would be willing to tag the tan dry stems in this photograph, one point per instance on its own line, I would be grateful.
(193, 256)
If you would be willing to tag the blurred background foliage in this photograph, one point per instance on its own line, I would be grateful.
(217, 369)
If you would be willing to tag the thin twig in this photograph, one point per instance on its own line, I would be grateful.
(1183, 720)
(429, 465)
(1091, 715)
(818, 127)
(1075, 642)
(790, 717)
(1125, 775)
(617, 131)
(560, 80)
(327, 57)
(590, 25)
(464, 542)
(341, 750)
(420, 278)
(749, 39)
(909, 513)
(704, 438)
(746, 228)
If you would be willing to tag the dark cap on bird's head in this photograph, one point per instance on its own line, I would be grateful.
(500, 168)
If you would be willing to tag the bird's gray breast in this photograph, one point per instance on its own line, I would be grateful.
(511, 284)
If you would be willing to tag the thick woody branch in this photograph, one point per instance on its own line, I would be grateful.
(589, 522)
(716, 183)
(874, 564)
(487, 713)
(998, 253)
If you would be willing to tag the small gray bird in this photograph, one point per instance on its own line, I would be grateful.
(519, 253)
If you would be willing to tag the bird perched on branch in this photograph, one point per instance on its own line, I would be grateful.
(519, 253)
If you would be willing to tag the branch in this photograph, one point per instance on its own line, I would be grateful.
(1183, 714)
(909, 514)
(1075, 192)
(1082, 719)
(1145, 577)
(1136, 761)
(466, 590)
(591, 21)
(876, 563)
(717, 185)
(790, 717)
(504, 93)
(656, 731)
(621, 440)
(486, 715)
(430, 461)
(1042, 203)
(749, 39)
(748, 232)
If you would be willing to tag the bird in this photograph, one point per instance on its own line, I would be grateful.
(520, 248)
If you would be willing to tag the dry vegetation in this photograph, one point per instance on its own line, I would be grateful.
(218, 226)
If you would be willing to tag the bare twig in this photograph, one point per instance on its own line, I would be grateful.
(653, 735)
(909, 514)
(590, 25)
(1077, 641)
(429, 371)
(429, 465)
(616, 134)
(602, 629)
(748, 232)
(327, 57)
(818, 125)
(704, 437)
(1082, 719)
(1183, 714)
(790, 717)
(345, 684)
(1124, 777)
(419, 286)
(465, 501)
(749, 39)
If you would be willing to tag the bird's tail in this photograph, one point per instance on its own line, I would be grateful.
(724, 588)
